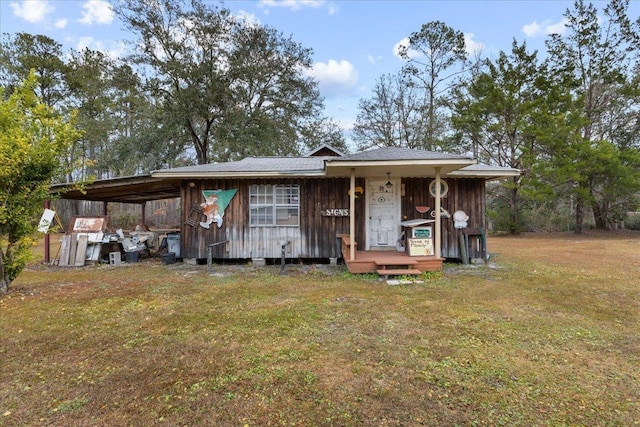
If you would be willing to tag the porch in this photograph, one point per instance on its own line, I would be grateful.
(388, 263)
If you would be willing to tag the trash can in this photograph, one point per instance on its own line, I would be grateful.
(168, 258)
(173, 244)
(132, 256)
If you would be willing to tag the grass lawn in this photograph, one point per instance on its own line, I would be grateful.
(548, 334)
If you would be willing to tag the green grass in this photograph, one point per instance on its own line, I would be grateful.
(536, 338)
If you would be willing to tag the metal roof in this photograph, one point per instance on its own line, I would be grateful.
(399, 162)
(396, 161)
(132, 189)
(488, 172)
(251, 167)
(398, 153)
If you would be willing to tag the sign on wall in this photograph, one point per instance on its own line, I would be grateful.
(420, 247)
(335, 212)
(215, 203)
(421, 232)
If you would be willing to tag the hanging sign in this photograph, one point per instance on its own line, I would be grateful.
(215, 203)
(420, 247)
(46, 220)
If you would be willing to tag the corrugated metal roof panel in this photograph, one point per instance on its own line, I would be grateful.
(397, 153)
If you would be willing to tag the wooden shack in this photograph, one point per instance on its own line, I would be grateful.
(388, 210)
(325, 206)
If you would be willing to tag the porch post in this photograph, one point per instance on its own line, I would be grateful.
(144, 213)
(352, 215)
(104, 208)
(438, 248)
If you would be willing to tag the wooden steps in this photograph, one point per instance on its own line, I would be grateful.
(402, 267)
(387, 263)
(398, 272)
(396, 261)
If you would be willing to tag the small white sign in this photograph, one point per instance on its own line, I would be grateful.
(420, 247)
(46, 220)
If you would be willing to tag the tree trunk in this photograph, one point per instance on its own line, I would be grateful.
(515, 217)
(4, 284)
(579, 216)
(600, 216)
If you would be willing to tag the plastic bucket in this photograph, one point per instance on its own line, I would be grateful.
(168, 258)
(132, 256)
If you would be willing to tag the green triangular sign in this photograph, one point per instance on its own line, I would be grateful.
(215, 203)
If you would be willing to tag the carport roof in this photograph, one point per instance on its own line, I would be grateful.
(132, 189)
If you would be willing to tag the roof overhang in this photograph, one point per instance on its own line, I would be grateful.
(163, 174)
(135, 189)
(488, 173)
(403, 168)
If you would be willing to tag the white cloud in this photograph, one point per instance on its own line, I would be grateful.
(89, 43)
(471, 46)
(405, 43)
(117, 49)
(346, 124)
(335, 77)
(249, 18)
(545, 28)
(299, 4)
(34, 11)
(557, 28)
(61, 24)
(96, 12)
(373, 59)
(112, 49)
(532, 30)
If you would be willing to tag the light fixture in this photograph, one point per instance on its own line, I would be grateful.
(388, 184)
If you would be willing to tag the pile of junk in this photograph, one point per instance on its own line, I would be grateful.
(87, 241)
(143, 243)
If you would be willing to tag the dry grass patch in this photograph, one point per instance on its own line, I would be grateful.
(546, 335)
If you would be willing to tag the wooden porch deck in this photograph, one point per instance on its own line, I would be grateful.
(389, 263)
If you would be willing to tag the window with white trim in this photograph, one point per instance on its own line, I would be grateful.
(274, 205)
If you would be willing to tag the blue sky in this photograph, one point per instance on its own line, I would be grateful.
(353, 41)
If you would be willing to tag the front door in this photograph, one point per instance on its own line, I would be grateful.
(383, 214)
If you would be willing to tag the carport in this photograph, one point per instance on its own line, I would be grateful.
(134, 189)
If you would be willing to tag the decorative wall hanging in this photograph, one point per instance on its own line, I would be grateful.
(444, 188)
(460, 219)
(215, 203)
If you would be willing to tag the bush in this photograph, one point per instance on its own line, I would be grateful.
(632, 221)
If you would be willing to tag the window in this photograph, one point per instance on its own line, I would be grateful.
(274, 205)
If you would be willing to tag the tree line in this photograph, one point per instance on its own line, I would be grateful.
(199, 84)
(570, 122)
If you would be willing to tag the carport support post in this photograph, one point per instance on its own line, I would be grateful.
(144, 213)
(438, 221)
(104, 208)
(47, 240)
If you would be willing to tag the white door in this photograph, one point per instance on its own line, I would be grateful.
(383, 214)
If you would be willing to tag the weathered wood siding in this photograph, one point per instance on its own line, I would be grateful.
(464, 194)
(314, 238)
(316, 235)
